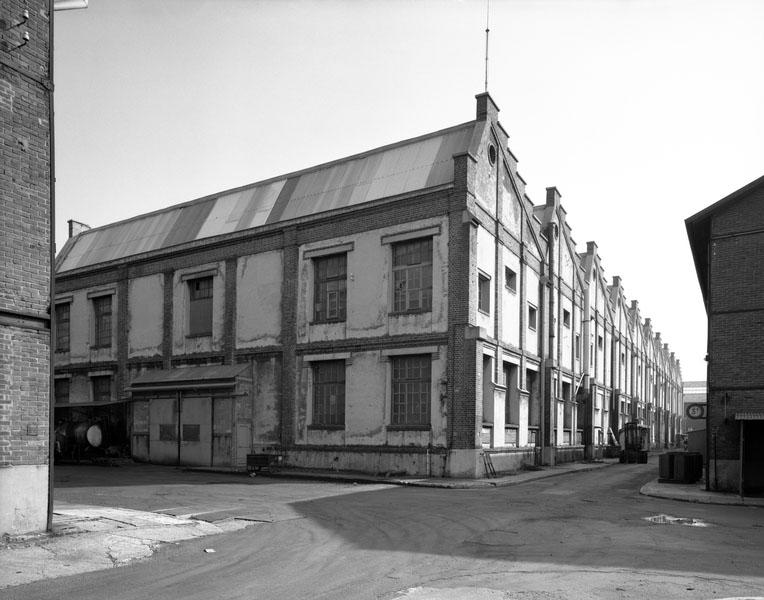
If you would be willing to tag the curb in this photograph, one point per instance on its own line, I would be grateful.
(654, 489)
(504, 481)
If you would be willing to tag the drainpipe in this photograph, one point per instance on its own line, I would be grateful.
(52, 292)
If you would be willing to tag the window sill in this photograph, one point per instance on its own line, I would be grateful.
(314, 427)
(408, 428)
(328, 322)
(191, 336)
(487, 313)
(100, 347)
(511, 290)
(401, 313)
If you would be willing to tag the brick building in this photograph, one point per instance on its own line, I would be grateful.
(25, 249)
(404, 310)
(727, 242)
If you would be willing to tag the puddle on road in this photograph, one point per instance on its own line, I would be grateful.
(669, 520)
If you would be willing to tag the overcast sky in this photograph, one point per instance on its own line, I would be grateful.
(641, 113)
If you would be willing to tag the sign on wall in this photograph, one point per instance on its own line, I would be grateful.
(695, 411)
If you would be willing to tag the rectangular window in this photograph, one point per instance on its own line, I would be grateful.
(191, 432)
(102, 315)
(200, 306)
(329, 393)
(330, 289)
(61, 391)
(532, 317)
(62, 327)
(566, 318)
(411, 390)
(412, 276)
(101, 388)
(484, 293)
(510, 279)
(599, 343)
(578, 346)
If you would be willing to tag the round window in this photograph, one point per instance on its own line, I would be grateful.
(492, 153)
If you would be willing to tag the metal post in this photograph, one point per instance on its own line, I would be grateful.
(742, 430)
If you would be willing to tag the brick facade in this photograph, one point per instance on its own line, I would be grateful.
(25, 250)
(727, 241)
(480, 221)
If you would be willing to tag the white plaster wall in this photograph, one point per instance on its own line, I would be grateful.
(511, 213)
(369, 294)
(23, 499)
(82, 330)
(510, 326)
(532, 296)
(258, 299)
(368, 404)
(145, 307)
(181, 343)
(566, 337)
(486, 262)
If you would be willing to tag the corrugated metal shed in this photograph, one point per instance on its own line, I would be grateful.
(408, 166)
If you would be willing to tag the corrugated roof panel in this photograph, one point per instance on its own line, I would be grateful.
(191, 219)
(80, 248)
(217, 221)
(402, 168)
(260, 205)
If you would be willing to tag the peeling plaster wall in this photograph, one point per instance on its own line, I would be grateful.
(258, 300)
(80, 337)
(369, 297)
(532, 296)
(367, 405)
(266, 397)
(145, 314)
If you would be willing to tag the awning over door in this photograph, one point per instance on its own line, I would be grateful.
(749, 416)
(188, 378)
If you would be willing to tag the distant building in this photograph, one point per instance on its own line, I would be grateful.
(404, 310)
(694, 396)
(727, 241)
(25, 253)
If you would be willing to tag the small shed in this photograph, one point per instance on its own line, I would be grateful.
(194, 416)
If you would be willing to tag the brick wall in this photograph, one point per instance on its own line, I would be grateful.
(25, 225)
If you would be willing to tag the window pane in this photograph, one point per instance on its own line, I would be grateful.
(102, 314)
(411, 390)
(330, 288)
(200, 306)
(412, 275)
(329, 393)
(62, 327)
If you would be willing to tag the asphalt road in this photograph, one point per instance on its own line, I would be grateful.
(582, 535)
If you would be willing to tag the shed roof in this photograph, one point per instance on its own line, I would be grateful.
(213, 376)
(416, 164)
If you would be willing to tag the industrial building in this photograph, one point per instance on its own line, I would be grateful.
(405, 310)
(727, 242)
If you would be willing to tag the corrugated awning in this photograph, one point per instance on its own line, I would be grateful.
(749, 416)
(216, 376)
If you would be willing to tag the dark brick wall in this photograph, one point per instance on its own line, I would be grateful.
(24, 237)
(735, 319)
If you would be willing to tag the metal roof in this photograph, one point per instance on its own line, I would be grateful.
(213, 376)
(407, 166)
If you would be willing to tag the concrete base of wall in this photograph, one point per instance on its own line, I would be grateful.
(23, 499)
(512, 460)
(383, 462)
(565, 454)
(467, 463)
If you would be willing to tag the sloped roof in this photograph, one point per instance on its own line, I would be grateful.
(416, 164)
(699, 232)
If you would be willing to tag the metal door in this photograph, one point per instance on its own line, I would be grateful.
(196, 432)
(163, 431)
(222, 424)
(243, 443)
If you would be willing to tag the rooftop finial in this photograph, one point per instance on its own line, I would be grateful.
(487, 15)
